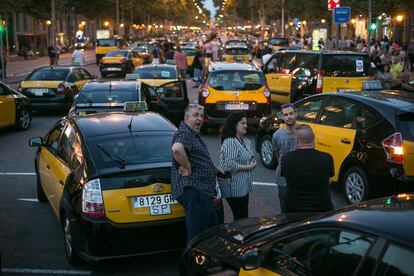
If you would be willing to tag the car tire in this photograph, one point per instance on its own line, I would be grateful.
(41, 197)
(267, 155)
(355, 185)
(72, 253)
(23, 119)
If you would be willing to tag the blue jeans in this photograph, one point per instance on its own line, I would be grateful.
(197, 75)
(199, 212)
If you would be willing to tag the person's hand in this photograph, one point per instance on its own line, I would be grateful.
(184, 171)
(253, 164)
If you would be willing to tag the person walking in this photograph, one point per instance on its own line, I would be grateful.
(193, 173)
(197, 66)
(283, 141)
(52, 55)
(237, 159)
(78, 57)
(58, 50)
(307, 172)
(410, 53)
(3, 63)
(180, 59)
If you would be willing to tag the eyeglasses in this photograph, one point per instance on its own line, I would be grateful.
(287, 105)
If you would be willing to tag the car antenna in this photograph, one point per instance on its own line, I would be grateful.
(130, 124)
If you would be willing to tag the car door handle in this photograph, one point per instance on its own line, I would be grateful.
(48, 167)
(345, 141)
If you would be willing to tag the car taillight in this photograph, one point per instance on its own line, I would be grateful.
(60, 89)
(92, 202)
(393, 146)
(319, 81)
(266, 93)
(124, 60)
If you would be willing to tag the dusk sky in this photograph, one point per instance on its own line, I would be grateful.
(208, 4)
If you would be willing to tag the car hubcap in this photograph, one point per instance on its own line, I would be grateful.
(68, 237)
(24, 119)
(267, 153)
(354, 187)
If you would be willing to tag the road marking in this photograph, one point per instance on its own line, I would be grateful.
(45, 271)
(28, 199)
(17, 173)
(264, 184)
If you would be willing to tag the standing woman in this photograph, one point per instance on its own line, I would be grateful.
(237, 158)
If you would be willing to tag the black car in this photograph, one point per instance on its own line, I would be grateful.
(15, 108)
(369, 134)
(370, 238)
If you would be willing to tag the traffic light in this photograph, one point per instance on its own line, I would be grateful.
(373, 25)
(2, 26)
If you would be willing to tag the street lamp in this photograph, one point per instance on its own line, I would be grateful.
(83, 23)
(323, 21)
(106, 23)
(400, 18)
(353, 21)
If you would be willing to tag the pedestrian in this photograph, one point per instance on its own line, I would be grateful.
(193, 173)
(180, 59)
(3, 62)
(396, 68)
(237, 159)
(78, 57)
(283, 141)
(156, 53)
(215, 46)
(197, 66)
(52, 55)
(58, 50)
(267, 56)
(208, 48)
(410, 53)
(307, 172)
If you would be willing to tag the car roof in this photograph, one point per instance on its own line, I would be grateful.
(151, 66)
(58, 67)
(222, 66)
(98, 124)
(110, 85)
(390, 217)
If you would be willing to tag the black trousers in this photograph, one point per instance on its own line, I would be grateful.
(411, 58)
(239, 206)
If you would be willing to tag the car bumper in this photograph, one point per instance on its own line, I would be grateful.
(101, 239)
(62, 102)
(113, 68)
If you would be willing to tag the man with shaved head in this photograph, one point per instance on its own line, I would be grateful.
(307, 172)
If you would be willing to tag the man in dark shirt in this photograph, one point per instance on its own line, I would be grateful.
(307, 172)
(193, 173)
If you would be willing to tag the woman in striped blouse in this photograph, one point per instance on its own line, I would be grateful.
(237, 157)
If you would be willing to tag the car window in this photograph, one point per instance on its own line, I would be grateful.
(3, 90)
(367, 118)
(272, 65)
(52, 140)
(52, 74)
(106, 42)
(236, 80)
(171, 91)
(345, 65)
(156, 73)
(67, 143)
(339, 112)
(397, 261)
(291, 62)
(85, 74)
(307, 110)
(113, 96)
(237, 51)
(117, 54)
(406, 122)
(323, 252)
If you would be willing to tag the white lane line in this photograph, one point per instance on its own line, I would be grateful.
(264, 184)
(45, 271)
(17, 173)
(28, 199)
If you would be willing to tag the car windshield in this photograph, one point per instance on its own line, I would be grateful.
(345, 65)
(189, 52)
(117, 54)
(278, 41)
(237, 51)
(135, 148)
(236, 80)
(231, 44)
(156, 73)
(52, 74)
(113, 96)
(106, 42)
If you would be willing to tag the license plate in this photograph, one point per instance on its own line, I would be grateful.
(237, 106)
(38, 91)
(113, 69)
(153, 200)
(160, 210)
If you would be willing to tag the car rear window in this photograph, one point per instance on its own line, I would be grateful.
(407, 125)
(291, 62)
(237, 51)
(156, 73)
(114, 96)
(117, 54)
(236, 80)
(345, 65)
(231, 44)
(278, 42)
(135, 148)
(106, 42)
(52, 74)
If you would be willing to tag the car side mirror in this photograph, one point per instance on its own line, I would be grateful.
(36, 141)
(252, 259)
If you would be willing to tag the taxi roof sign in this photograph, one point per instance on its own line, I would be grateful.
(370, 85)
(135, 106)
(132, 76)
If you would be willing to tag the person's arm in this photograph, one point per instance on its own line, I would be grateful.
(180, 156)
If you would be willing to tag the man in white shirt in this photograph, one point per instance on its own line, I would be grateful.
(267, 56)
(78, 57)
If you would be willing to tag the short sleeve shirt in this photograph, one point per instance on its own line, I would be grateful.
(203, 173)
(283, 142)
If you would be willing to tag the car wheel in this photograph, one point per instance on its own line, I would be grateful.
(23, 119)
(355, 185)
(72, 253)
(266, 152)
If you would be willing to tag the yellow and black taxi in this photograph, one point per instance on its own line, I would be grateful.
(15, 108)
(156, 74)
(236, 51)
(54, 87)
(107, 179)
(371, 238)
(295, 74)
(227, 87)
(144, 51)
(105, 45)
(369, 134)
(120, 62)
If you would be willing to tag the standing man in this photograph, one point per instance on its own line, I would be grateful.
(307, 173)
(3, 62)
(197, 66)
(181, 60)
(410, 53)
(78, 57)
(283, 141)
(193, 173)
(52, 54)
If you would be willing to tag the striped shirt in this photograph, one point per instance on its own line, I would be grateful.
(203, 171)
(233, 153)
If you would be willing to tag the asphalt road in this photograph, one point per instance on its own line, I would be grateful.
(31, 241)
